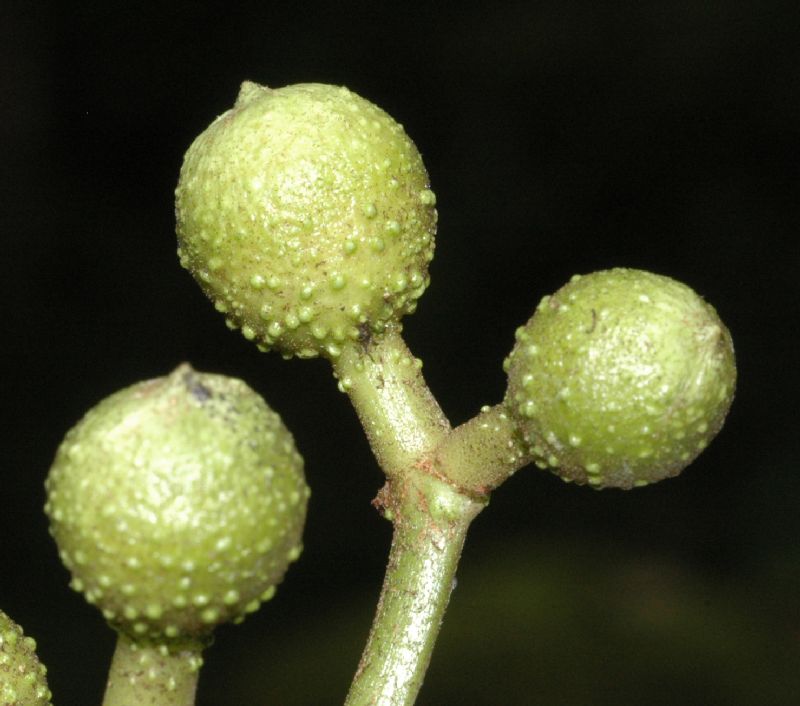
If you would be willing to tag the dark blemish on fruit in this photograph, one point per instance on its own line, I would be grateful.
(199, 391)
(594, 322)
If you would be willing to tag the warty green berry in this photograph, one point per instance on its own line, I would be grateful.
(177, 504)
(23, 678)
(620, 378)
(306, 215)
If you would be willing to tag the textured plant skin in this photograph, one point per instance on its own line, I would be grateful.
(177, 504)
(150, 674)
(305, 214)
(23, 679)
(620, 378)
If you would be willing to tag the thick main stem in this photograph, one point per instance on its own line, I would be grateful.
(438, 481)
(431, 521)
(152, 675)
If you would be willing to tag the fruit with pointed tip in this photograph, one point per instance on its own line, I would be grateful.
(177, 504)
(305, 214)
(620, 378)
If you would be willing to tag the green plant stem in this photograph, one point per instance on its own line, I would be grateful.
(481, 453)
(153, 675)
(438, 479)
(430, 525)
(402, 419)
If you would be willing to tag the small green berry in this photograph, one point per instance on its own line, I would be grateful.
(177, 504)
(620, 378)
(23, 679)
(306, 216)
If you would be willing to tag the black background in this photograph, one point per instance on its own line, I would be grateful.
(560, 137)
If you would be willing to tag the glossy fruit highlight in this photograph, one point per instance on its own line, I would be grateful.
(620, 378)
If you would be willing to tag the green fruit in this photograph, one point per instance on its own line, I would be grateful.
(177, 504)
(620, 378)
(23, 679)
(306, 216)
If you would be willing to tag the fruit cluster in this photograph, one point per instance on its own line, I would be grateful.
(306, 215)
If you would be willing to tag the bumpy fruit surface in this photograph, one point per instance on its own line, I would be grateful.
(620, 378)
(305, 214)
(23, 680)
(177, 504)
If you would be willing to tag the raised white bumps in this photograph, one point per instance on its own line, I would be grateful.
(305, 214)
(177, 504)
(620, 378)
(23, 678)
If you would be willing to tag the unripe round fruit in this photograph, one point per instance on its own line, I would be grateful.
(23, 679)
(620, 378)
(177, 504)
(306, 216)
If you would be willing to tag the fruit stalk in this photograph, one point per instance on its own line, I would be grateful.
(153, 674)
(482, 453)
(430, 510)
(401, 418)
(430, 525)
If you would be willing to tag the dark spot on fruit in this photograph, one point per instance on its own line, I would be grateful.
(199, 391)
(594, 322)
